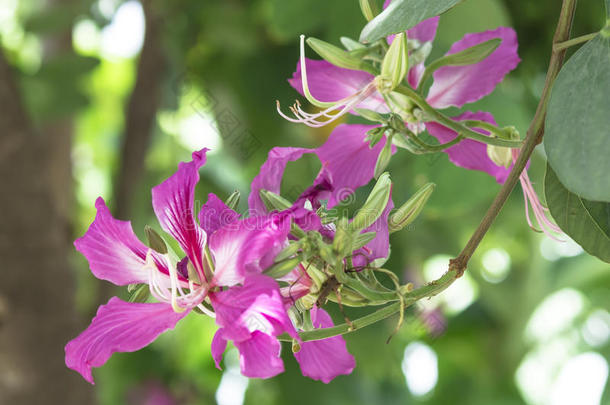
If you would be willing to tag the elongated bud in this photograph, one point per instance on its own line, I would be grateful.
(351, 44)
(470, 56)
(155, 241)
(318, 277)
(140, 293)
(500, 155)
(371, 115)
(373, 136)
(369, 9)
(334, 54)
(274, 201)
(280, 269)
(374, 204)
(384, 157)
(411, 209)
(342, 243)
(362, 239)
(288, 251)
(233, 199)
(395, 65)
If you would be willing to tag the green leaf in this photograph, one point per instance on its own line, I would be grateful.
(587, 222)
(576, 139)
(401, 15)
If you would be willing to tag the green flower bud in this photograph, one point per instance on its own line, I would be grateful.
(334, 55)
(411, 209)
(283, 267)
(351, 44)
(384, 157)
(395, 65)
(374, 205)
(373, 136)
(155, 241)
(274, 201)
(342, 243)
(500, 155)
(233, 199)
(369, 9)
(371, 115)
(470, 56)
(288, 251)
(362, 239)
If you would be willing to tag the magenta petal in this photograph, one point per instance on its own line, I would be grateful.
(459, 85)
(324, 359)
(259, 356)
(328, 82)
(113, 251)
(270, 175)
(219, 345)
(468, 153)
(215, 214)
(173, 204)
(247, 247)
(118, 327)
(257, 305)
(349, 159)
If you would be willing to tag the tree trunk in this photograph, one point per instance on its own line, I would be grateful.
(37, 312)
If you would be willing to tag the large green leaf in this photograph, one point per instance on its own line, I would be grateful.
(401, 15)
(587, 222)
(577, 138)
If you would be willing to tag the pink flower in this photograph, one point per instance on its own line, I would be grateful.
(239, 250)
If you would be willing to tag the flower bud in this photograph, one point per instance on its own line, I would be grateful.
(362, 239)
(155, 241)
(373, 136)
(342, 243)
(369, 9)
(288, 251)
(371, 115)
(395, 65)
(472, 55)
(374, 205)
(274, 201)
(280, 269)
(384, 157)
(233, 199)
(334, 55)
(351, 44)
(411, 209)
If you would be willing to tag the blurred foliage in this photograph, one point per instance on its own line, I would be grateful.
(229, 61)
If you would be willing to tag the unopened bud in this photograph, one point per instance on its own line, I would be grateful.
(384, 157)
(334, 54)
(500, 155)
(395, 65)
(371, 115)
(469, 56)
(288, 251)
(351, 44)
(274, 201)
(374, 205)
(342, 243)
(362, 239)
(369, 9)
(373, 136)
(155, 241)
(280, 269)
(411, 209)
(233, 199)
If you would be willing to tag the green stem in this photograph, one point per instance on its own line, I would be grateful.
(458, 127)
(534, 136)
(575, 41)
(499, 132)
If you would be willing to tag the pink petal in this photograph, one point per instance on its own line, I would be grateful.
(173, 203)
(459, 85)
(270, 176)
(328, 82)
(118, 327)
(219, 345)
(324, 359)
(259, 356)
(349, 159)
(468, 153)
(247, 247)
(113, 251)
(215, 214)
(257, 305)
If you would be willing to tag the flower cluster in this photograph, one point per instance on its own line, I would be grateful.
(265, 277)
